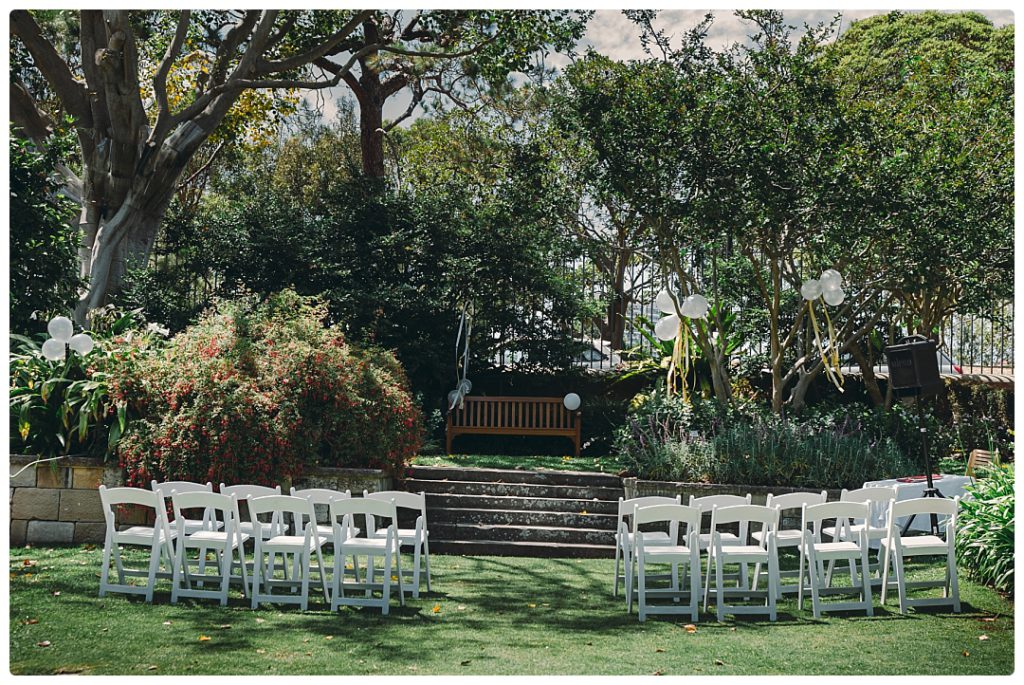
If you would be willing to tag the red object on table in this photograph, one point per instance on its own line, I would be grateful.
(919, 479)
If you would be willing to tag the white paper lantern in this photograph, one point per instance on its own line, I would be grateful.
(811, 289)
(667, 328)
(53, 349)
(830, 278)
(698, 306)
(466, 386)
(834, 296)
(60, 328)
(571, 401)
(453, 397)
(665, 303)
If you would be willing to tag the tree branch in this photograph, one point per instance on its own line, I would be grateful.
(160, 78)
(71, 92)
(322, 50)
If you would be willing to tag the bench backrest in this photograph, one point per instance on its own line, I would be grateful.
(538, 413)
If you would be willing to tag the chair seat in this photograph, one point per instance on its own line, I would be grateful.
(787, 537)
(836, 550)
(248, 528)
(667, 553)
(290, 543)
(406, 536)
(328, 530)
(728, 539)
(192, 525)
(213, 538)
(355, 545)
(139, 535)
(745, 553)
(921, 545)
(874, 532)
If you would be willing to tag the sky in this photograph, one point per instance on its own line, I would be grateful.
(612, 34)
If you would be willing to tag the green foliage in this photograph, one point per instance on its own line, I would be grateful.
(44, 245)
(65, 407)
(256, 391)
(985, 527)
(666, 439)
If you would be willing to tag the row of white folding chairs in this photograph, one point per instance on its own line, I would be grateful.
(221, 529)
(856, 525)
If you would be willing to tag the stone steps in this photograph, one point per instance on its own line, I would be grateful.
(506, 512)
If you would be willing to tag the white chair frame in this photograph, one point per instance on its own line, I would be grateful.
(243, 493)
(417, 537)
(705, 505)
(815, 552)
(302, 545)
(787, 537)
(878, 500)
(158, 538)
(188, 525)
(720, 554)
(670, 552)
(898, 547)
(225, 544)
(625, 540)
(323, 497)
(343, 511)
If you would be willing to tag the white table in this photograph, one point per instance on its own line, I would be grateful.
(949, 485)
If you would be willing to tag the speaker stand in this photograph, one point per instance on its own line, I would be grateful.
(931, 490)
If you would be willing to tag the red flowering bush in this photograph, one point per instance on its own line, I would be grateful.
(255, 392)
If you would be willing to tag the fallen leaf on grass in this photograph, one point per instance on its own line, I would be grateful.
(309, 653)
(461, 607)
(983, 637)
(167, 623)
(659, 649)
(31, 621)
(966, 653)
(436, 609)
(29, 562)
(989, 619)
(204, 638)
(465, 663)
(261, 651)
(260, 620)
(151, 668)
(532, 606)
(69, 670)
(328, 637)
(224, 626)
(44, 643)
(719, 662)
(57, 593)
(659, 672)
(690, 628)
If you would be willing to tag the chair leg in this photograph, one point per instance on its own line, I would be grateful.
(774, 588)
(105, 571)
(707, 579)
(426, 557)
(398, 574)
(627, 566)
(323, 573)
(816, 577)
(866, 583)
(338, 578)
(800, 581)
(618, 553)
(675, 582)
(118, 564)
(154, 566)
(226, 559)
(828, 574)
(719, 591)
(179, 569)
(901, 581)
(306, 562)
(954, 582)
(694, 584)
(885, 573)
(257, 573)
(641, 583)
(415, 571)
(385, 595)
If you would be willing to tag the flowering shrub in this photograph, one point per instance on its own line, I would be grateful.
(254, 392)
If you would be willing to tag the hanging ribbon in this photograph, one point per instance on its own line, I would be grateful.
(463, 386)
(830, 358)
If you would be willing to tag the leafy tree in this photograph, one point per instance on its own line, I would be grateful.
(938, 90)
(43, 258)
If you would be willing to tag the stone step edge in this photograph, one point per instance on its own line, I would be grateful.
(511, 527)
(524, 546)
(411, 483)
(497, 512)
(518, 473)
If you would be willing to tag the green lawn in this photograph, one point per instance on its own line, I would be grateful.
(487, 615)
(530, 463)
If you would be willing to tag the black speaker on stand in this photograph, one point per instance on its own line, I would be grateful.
(914, 372)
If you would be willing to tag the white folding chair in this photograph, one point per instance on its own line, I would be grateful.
(343, 511)
(898, 547)
(670, 552)
(157, 538)
(245, 492)
(739, 551)
(321, 497)
(186, 525)
(705, 505)
(417, 537)
(878, 500)
(302, 544)
(225, 543)
(815, 552)
(786, 537)
(625, 542)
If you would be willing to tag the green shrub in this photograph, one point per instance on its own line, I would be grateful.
(665, 439)
(984, 536)
(256, 391)
(64, 407)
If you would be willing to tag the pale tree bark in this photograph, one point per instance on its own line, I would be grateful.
(130, 164)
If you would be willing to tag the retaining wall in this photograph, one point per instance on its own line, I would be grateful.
(59, 502)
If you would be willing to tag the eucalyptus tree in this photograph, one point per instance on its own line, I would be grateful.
(146, 90)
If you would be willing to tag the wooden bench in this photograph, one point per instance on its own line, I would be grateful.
(980, 460)
(539, 416)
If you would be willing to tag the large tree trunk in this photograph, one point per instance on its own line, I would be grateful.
(371, 132)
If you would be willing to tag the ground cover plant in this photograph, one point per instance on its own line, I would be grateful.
(984, 541)
(486, 615)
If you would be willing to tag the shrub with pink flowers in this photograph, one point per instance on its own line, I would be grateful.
(257, 391)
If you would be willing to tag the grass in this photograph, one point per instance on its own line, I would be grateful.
(529, 463)
(487, 615)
